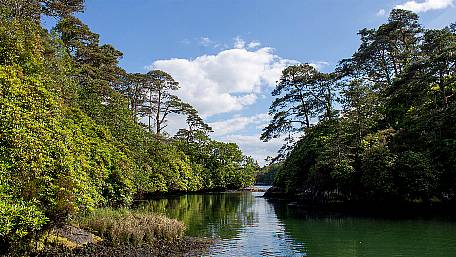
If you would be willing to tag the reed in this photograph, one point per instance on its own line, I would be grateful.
(122, 226)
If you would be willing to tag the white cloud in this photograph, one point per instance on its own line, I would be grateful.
(425, 6)
(239, 43)
(381, 12)
(319, 65)
(205, 41)
(253, 44)
(253, 146)
(238, 123)
(227, 81)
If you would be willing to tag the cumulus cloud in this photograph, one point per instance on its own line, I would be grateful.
(227, 81)
(239, 43)
(253, 44)
(425, 6)
(238, 123)
(251, 145)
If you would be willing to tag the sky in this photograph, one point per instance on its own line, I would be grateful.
(228, 54)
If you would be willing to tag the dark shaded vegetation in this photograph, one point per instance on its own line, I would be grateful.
(410, 233)
(266, 175)
(380, 127)
(71, 139)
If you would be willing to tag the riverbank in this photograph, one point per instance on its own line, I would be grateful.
(160, 195)
(392, 208)
(257, 188)
(187, 246)
(246, 224)
(115, 232)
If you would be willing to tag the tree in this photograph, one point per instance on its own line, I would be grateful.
(395, 136)
(385, 52)
(303, 94)
(161, 102)
(133, 87)
(196, 125)
(70, 140)
(33, 9)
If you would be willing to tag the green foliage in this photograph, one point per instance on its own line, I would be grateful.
(415, 175)
(71, 137)
(303, 93)
(395, 136)
(19, 218)
(266, 175)
(220, 165)
(377, 164)
(55, 160)
(169, 170)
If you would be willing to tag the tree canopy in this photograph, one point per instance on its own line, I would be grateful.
(72, 133)
(387, 130)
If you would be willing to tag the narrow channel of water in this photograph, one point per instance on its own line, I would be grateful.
(248, 225)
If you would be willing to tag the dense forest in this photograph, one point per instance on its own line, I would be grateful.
(267, 174)
(380, 127)
(77, 132)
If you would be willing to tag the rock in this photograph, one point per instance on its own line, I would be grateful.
(72, 237)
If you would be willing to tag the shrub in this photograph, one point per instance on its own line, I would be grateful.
(18, 219)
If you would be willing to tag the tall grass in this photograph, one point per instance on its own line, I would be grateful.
(122, 226)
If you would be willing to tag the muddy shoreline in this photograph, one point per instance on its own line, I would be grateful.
(188, 246)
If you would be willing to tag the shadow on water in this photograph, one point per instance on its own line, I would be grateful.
(336, 234)
(248, 225)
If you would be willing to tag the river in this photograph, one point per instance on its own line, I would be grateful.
(245, 224)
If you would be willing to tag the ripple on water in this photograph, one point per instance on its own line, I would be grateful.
(248, 225)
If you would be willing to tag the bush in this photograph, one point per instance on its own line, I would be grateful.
(19, 220)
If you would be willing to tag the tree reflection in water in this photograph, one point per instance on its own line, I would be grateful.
(218, 215)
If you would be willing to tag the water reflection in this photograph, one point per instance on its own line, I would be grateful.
(337, 235)
(248, 225)
(209, 215)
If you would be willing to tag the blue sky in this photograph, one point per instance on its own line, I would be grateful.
(227, 53)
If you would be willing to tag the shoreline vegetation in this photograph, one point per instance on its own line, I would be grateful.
(79, 134)
(387, 208)
(122, 232)
(81, 139)
(377, 132)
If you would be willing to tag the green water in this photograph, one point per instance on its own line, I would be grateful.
(248, 225)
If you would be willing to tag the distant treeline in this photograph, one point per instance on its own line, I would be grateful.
(380, 127)
(70, 136)
(266, 175)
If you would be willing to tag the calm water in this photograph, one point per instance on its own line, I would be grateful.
(248, 225)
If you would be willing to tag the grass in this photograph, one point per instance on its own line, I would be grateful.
(128, 227)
